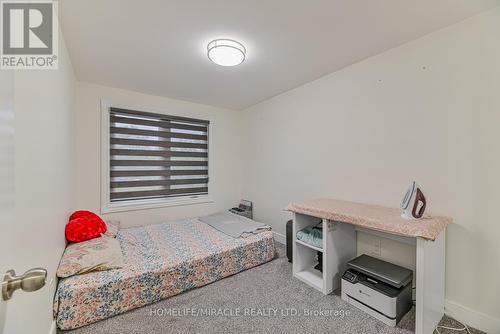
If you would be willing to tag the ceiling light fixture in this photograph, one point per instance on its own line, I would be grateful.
(226, 52)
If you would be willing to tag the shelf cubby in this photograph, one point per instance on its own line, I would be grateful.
(334, 257)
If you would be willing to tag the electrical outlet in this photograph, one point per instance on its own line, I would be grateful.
(331, 225)
(375, 246)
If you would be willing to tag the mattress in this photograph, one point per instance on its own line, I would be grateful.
(160, 261)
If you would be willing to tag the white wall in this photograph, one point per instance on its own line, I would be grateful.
(428, 110)
(44, 185)
(224, 144)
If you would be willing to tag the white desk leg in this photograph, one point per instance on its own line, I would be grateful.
(430, 284)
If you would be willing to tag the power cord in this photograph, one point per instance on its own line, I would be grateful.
(465, 328)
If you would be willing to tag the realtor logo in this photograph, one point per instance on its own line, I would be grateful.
(29, 35)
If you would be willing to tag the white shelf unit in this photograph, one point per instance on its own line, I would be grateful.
(310, 246)
(339, 246)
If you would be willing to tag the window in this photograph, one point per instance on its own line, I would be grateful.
(155, 158)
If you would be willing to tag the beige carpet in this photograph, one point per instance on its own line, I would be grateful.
(265, 299)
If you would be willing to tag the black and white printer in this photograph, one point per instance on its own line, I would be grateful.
(381, 289)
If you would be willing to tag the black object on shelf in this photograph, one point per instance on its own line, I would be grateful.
(319, 266)
(289, 240)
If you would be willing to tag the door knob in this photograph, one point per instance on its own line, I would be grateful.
(31, 280)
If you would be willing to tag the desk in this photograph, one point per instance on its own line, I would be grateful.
(340, 221)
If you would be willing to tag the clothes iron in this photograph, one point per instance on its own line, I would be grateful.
(413, 203)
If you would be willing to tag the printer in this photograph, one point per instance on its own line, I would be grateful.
(381, 289)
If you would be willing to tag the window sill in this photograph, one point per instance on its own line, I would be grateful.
(148, 204)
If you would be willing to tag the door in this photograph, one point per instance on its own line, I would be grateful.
(21, 246)
(7, 208)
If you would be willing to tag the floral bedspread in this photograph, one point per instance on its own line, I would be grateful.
(160, 261)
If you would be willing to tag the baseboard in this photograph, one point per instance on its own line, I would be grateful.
(473, 318)
(278, 237)
(53, 327)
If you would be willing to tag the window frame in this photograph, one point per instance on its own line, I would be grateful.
(131, 205)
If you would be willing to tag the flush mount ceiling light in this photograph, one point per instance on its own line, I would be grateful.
(226, 52)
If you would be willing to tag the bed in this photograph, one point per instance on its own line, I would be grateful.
(160, 261)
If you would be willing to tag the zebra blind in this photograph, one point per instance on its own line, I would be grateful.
(156, 156)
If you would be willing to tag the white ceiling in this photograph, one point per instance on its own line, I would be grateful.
(159, 46)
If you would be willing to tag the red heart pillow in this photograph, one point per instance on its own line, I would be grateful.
(84, 225)
(82, 213)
